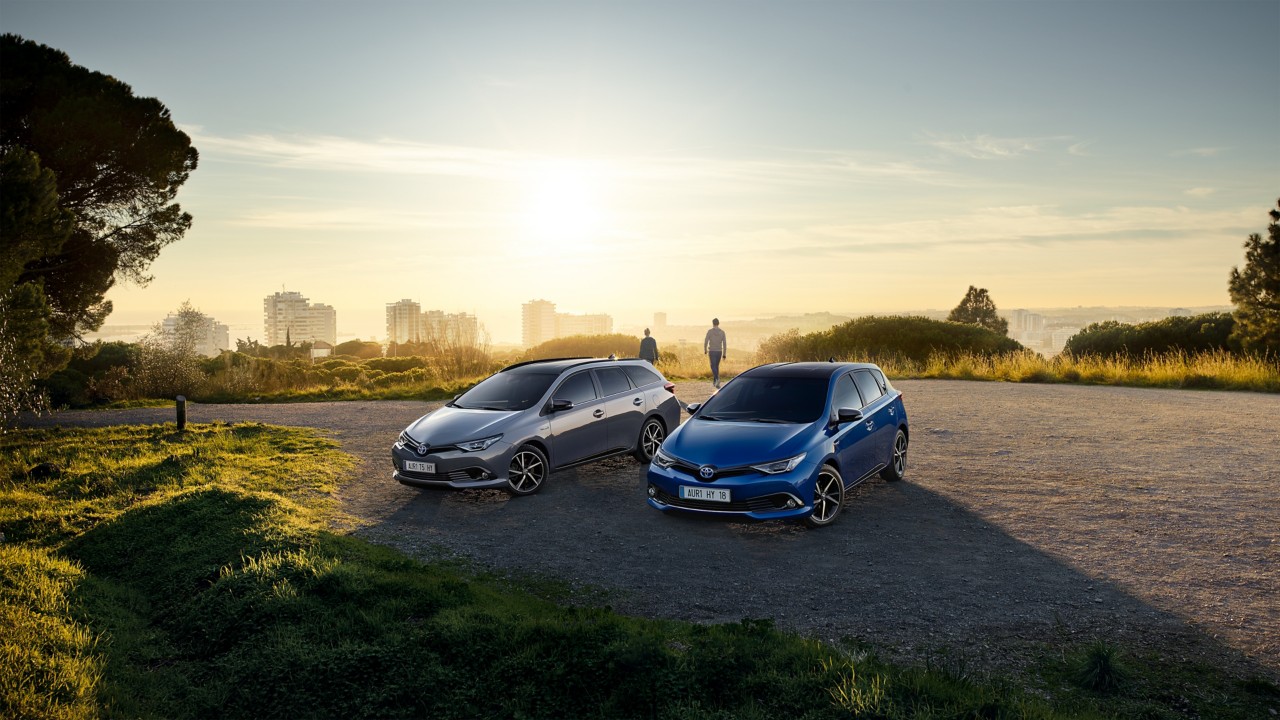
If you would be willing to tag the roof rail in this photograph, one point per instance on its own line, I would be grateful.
(543, 360)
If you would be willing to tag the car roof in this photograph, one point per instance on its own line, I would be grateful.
(806, 369)
(558, 365)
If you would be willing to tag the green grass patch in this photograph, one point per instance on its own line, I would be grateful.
(146, 573)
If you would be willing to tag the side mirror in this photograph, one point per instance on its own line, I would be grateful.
(692, 408)
(846, 415)
(558, 405)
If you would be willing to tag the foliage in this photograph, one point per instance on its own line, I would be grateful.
(118, 161)
(359, 349)
(1255, 290)
(977, 308)
(1195, 334)
(1100, 669)
(600, 346)
(875, 338)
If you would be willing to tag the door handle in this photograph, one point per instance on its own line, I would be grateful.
(598, 413)
(870, 426)
(890, 411)
(638, 401)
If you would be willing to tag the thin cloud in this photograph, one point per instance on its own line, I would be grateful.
(989, 147)
(360, 218)
(1204, 152)
(1199, 192)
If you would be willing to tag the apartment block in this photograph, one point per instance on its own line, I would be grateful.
(404, 322)
(289, 315)
(538, 322)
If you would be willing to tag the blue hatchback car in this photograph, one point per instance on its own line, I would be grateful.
(783, 441)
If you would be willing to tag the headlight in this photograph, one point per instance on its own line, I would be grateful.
(779, 466)
(663, 460)
(478, 445)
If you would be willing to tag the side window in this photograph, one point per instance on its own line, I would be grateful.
(867, 385)
(612, 381)
(640, 376)
(881, 380)
(846, 395)
(577, 389)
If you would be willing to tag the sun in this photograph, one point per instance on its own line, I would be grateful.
(563, 204)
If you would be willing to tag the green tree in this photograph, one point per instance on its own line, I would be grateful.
(116, 162)
(1255, 290)
(977, 308)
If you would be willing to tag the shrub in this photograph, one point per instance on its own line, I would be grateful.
(872, 337)
(1196, 334)
(586, 346)
(1099, 668)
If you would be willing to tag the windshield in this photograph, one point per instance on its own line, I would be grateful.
(768, 399)
(506, 391)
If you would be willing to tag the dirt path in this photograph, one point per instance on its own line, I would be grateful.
(1030, 513)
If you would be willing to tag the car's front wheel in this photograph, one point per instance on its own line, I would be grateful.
(828, 497)
(527, 471)
(897, 466)
(651, 437)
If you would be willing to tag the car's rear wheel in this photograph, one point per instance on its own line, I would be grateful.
(651, 437)
(527, 471)
(897, 466)
(828, 497)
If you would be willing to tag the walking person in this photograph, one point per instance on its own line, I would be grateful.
(717, 348)
(649, 348)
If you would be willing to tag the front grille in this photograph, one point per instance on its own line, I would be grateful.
(466, 475)
(766, 503)
(692, 471)
(412, 446)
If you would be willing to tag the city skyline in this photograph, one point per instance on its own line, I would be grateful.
(702, 160)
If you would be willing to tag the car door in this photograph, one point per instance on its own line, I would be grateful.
(876, 412)
(624, 407)
(579, 431)
(854, 444)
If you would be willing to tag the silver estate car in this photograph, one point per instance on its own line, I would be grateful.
(516, 426)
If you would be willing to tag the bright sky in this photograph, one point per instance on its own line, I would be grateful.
(701, 158)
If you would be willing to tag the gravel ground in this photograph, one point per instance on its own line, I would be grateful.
(1031, 514)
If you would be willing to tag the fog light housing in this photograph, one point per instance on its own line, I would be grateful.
(791, 503)
(653, 491)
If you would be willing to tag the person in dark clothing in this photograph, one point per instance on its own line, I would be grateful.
(649, 348)
(716, 346)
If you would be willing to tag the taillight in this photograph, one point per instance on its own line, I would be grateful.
(670, 387)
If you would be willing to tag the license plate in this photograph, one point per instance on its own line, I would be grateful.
(422, 467)
(702, 493)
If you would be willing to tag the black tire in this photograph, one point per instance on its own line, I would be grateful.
(651, 436)
(897, 466)
(828, 498)
(528, 471)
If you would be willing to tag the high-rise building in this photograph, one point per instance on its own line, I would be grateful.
(404, 322)
(289, 315)
(538, 322)
(659, 321)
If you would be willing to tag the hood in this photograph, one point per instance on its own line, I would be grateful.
(731, 444)
(447, 425)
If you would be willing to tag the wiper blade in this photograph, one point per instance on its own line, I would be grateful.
(708, 417)
(488, 407)
(769, 420)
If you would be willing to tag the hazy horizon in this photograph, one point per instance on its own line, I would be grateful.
(710, 159)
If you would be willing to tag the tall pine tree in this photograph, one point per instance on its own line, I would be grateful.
(1255, 290)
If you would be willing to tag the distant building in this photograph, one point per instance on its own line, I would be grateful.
(541, 322)
(567, 324)
(1060, 336)
(211, 337)
(538, 322)
(404, 322)
(321, 349)
(659, 321)
(289, 315)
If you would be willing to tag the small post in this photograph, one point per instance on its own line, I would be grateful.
(182, 413)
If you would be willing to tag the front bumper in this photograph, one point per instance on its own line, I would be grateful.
(753, 495)
(455, 469)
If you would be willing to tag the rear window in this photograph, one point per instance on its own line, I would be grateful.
(640, 376)
(868, 386)
(612, 381)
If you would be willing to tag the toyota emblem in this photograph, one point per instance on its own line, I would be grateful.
(707, 472)
(422, 449)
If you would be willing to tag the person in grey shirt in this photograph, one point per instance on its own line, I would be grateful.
(649, 348)
(717, 348)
